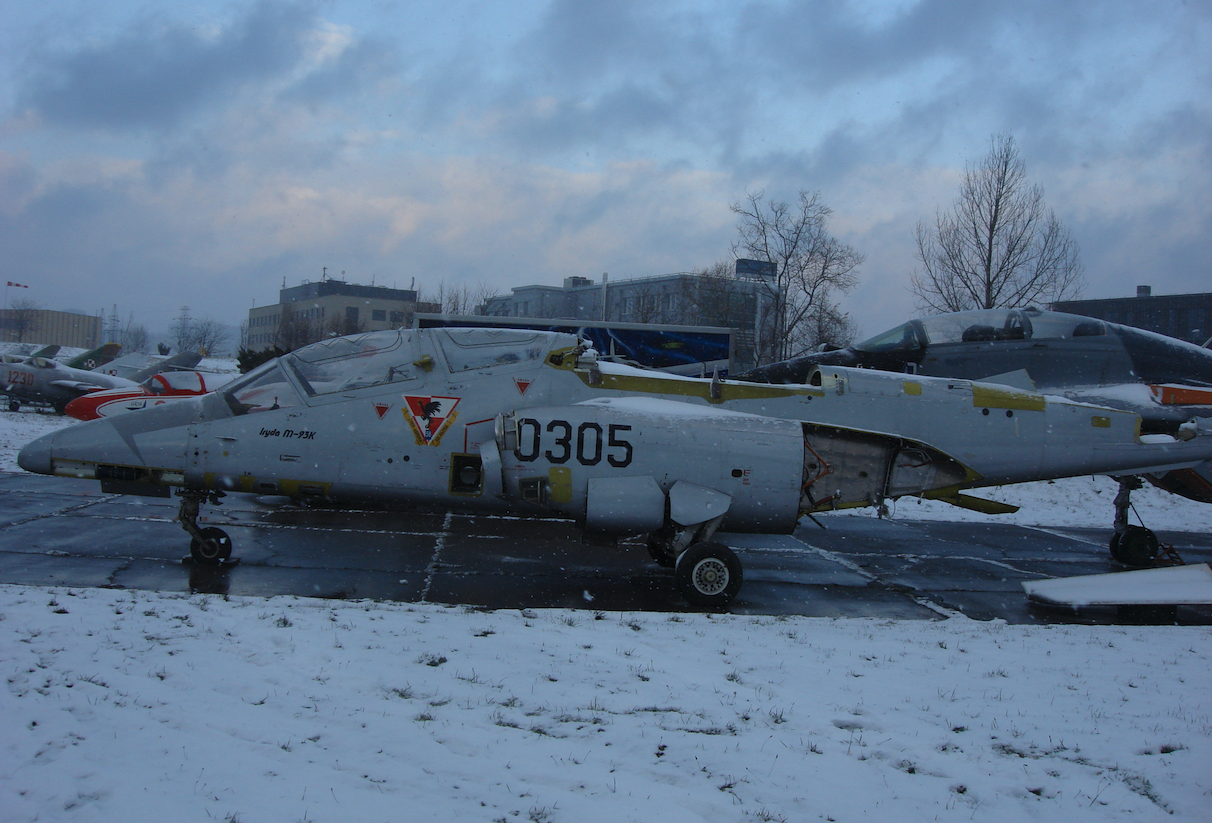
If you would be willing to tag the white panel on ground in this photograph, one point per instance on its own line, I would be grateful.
(1170, 586)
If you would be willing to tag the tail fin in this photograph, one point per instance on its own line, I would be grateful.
(97, 357)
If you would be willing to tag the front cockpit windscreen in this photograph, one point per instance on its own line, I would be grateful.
(904, 338)
(265, 388)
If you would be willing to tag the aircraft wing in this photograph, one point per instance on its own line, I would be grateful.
(76, 386)
(178, 362)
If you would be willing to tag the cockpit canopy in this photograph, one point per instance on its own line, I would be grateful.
(982, 326)
(190, 382)
(345, 364)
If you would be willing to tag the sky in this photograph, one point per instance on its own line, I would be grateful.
(155, 155)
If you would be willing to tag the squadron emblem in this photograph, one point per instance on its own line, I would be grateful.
(430, 417)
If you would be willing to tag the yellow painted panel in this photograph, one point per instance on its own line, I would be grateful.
(1100, 422)
(295, 488)
(559, 484)
(696, 388)
(912, 388)
(997, 398)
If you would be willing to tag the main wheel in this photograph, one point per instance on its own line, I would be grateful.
(1136, 546)
(13, 406)
(213, 549)
(708, 574)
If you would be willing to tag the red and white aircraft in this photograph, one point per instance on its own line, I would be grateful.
(154, 391)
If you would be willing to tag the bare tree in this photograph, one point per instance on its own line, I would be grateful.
(461, 298)
(133, 336)
(210, 337)
(714, 297)
(22, 319)
(809, 263)
(999, 246)
(642, 302)
(827, 324)
(295, 331)
(207, 336)
(338, 326)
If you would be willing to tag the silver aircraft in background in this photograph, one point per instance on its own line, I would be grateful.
(1164, 380)
(45, 381)
(533, 424)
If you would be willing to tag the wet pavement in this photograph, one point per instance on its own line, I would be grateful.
(62, 532)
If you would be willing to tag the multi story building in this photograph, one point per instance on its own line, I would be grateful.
(313, 310)
(681, 298)
(1184, 316)
(63, 328)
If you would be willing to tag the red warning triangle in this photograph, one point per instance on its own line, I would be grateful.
(382, 409)
(522, 385)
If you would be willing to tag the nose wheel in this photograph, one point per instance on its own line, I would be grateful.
(209, 546)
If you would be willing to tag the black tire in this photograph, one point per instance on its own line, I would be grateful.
(14, 406)
(1115, 548)
(213, 549)
(1137, 546)
(708, 574)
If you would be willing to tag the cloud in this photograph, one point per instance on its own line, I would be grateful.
(155, 76)
(575, 138)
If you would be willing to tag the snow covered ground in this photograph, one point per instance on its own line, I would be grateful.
(137, 706)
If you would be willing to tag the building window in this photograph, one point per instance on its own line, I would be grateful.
(378, 315)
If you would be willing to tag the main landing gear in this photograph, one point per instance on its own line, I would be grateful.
(707, 574)
(1131, 545)
(209, 546)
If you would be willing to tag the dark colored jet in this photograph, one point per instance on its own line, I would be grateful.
(1166, 381)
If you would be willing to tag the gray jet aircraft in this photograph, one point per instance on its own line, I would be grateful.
(42, 380)
(533, 424)
(1165, 381)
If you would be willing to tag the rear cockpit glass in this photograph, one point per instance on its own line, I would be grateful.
(348, 363)
(471, 349)
(263, 389)
(1056, 326)
(976, 326)
(985, 325)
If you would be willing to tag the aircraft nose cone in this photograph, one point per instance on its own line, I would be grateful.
(82, 408)
(35, 456)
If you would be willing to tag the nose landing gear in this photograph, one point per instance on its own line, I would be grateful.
(1131, 545)
(209, 546)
